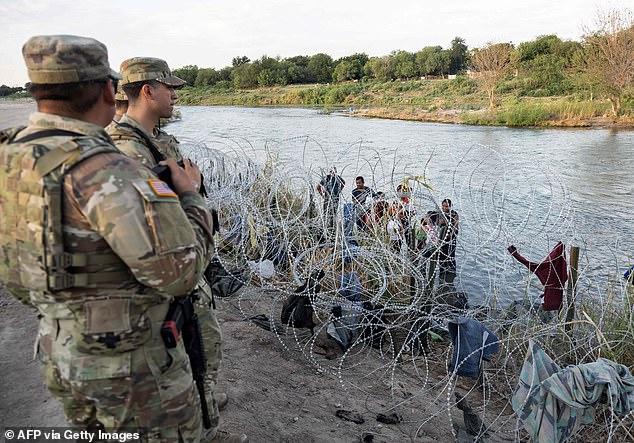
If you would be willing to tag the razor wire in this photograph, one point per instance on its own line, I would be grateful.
(271, 213)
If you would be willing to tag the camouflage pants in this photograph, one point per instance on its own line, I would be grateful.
(150, 388)
(212, 337)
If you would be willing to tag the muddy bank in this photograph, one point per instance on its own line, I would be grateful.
(454, 116)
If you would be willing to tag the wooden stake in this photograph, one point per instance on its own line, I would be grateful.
(571, 293)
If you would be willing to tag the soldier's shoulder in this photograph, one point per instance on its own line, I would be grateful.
(9, 134)
(110, 167)
(122, 131)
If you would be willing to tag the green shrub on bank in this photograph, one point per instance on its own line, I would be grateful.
(532, 112)
(524, 114)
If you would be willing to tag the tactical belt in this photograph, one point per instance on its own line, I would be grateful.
(65, 280)
(67, 260)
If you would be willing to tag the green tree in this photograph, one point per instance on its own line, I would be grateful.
(380, 68)
(8, 90)
(427, 59)
(241, 60)
(404, 64)
(297, 69)
(547, 72)
(206, 77)
(438, 63)
(546, 63)
(187, 73)
(245, 76)
(271, 71)
(299, 60)
(321, 67)
(353, 69)
(225, 74)
(458, 55)
(340, 72)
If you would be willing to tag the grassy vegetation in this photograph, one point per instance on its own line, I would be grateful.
(417, 100)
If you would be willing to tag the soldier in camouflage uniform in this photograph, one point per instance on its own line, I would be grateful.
(121, 104)
(149, 85)
(99, 247)
(167, 143)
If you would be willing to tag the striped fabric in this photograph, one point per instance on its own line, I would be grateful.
(554, 403)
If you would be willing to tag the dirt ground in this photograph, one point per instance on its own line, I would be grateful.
(275, 394)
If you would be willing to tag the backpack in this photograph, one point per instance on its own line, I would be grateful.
(297, 310)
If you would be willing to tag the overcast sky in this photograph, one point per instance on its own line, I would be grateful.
(210, 33)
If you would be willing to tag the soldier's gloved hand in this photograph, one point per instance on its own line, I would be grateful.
(184, 179)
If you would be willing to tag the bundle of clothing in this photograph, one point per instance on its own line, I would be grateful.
(554, 403)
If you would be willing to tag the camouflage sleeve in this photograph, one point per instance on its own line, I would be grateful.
(166, 242)
(136, 150)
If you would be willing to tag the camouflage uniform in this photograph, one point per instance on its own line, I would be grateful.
(134, 145)
(167, 144)
(132, 245)
(131, 143)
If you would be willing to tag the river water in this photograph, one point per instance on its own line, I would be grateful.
(528, 187)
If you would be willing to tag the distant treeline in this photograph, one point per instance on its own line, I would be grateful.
(543, 64)
(601, 66)
(5, 90)
(322, 68)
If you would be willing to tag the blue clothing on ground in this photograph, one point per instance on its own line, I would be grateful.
(472, 342)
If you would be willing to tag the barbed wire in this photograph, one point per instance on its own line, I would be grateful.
(393, 331)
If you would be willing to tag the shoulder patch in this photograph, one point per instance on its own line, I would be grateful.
(161, 188)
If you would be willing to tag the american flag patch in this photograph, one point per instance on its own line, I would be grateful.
(161, 188)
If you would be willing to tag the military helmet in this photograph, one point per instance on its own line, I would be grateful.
(58, 59)
(138, 69)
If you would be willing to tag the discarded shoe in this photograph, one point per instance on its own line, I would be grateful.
(262, 321)
(350, 416)
(391, 419)
(226, 437)
(473, 422)
(221, 399)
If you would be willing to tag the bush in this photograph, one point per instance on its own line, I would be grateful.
(224, 85)
(462, 85)
(524, 114)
